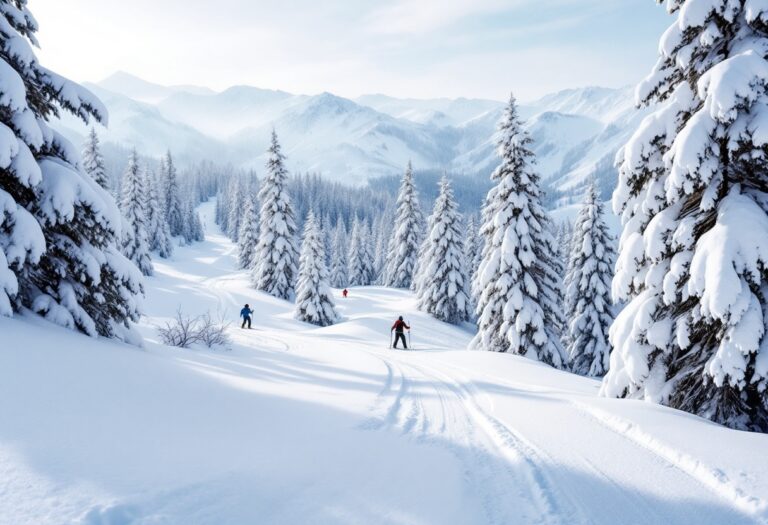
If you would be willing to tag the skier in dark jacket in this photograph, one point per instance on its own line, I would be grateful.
(245, 313)
(398, 328)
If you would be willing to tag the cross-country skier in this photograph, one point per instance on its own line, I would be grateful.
(398, 328)
(345, 293)
(245, 313)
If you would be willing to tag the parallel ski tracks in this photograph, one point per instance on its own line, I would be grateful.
(477, 437)
(500, 467)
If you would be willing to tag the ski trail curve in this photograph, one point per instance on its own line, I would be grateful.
(501, 468)
(712, 480)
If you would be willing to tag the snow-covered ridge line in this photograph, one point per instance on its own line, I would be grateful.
(712, 478)
(352, 140)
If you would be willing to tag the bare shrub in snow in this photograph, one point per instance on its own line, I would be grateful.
(184, 331)
(213, 332)
(181, 331)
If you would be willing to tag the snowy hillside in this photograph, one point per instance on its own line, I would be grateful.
(296, 424)
(133, 123)
(593, 155)
(143, 91)
(603, 104)
(577, 132)
(224, 114)
(339, 138)
(441, 112)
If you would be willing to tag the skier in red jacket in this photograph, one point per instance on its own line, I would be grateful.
(398, 328)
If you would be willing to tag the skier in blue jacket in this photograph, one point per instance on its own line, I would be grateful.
(245, 313)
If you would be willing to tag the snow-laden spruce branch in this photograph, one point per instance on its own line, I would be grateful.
(692, 197)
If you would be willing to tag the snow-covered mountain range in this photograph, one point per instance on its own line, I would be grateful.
(576, 132)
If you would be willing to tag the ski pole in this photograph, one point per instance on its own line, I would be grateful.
(390, 339)
(409, 339)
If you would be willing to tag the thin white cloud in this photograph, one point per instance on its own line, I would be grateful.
(406, 47)
(408, 16)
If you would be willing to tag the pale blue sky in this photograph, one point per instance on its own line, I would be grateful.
(419, 48)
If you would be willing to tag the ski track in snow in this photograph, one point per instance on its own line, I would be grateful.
(711, 479)
(461, 417)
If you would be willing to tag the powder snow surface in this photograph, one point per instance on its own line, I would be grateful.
(297, 424)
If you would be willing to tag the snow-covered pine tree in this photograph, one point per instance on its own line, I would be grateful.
(149, 204)
(248, 239)
(158, 233)
(338, 276)
(275, 271)
(550, 270)
(193, 227)
(222, 206)
(326, 227)
(564, 236)
(93, 161)
(173, 209)
(197, 226)
(380, 232)
(473, 246)
(587, 294)
(473, 252)
(693, 254)
(513, 283)
(360, 258)
(135, 244)
(314, 301)
(403, 251)
(441, 286)
(58, 254)
(236, 210)
(162, 242)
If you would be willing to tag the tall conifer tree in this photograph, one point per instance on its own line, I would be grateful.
(514, 281)
(693, 200)
(135, 243)
(314, 301)
(403, 251)
(248, 240)
(275, 272)
(442, 281)
(588, 285)
(93, 161)
(58, 227)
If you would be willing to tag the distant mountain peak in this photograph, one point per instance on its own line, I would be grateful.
(574, 130)
(131, 86)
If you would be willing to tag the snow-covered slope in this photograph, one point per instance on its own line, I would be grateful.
(138, 124)
(556, 135)
(345, 140)
(226, 113)
(297, 424)
(133, 87)
(594, 155)
(599, 103)
(440, 111)
(556, 139)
